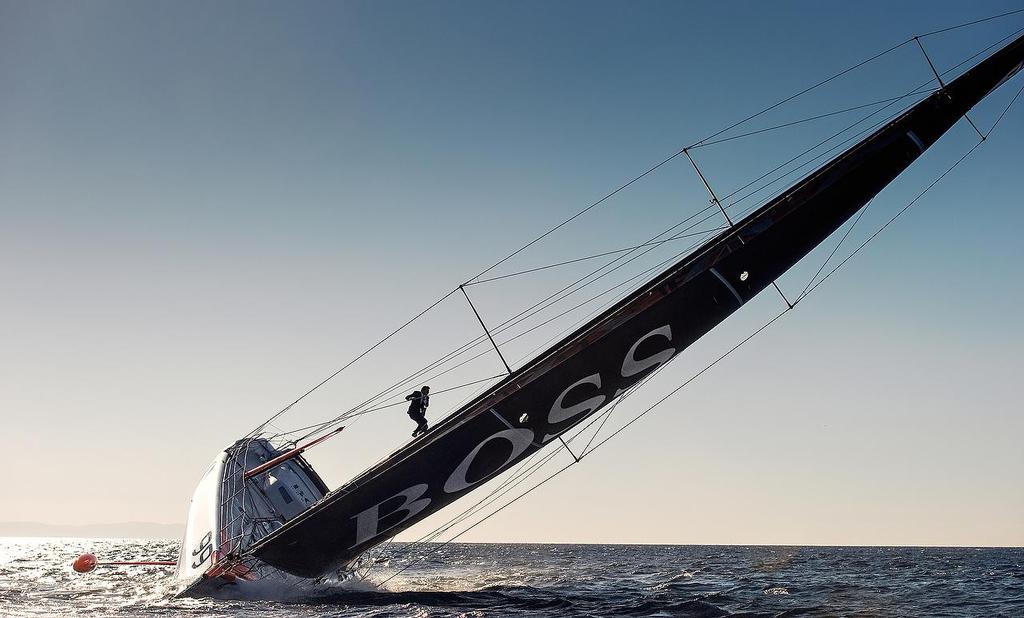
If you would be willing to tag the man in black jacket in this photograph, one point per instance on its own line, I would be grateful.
(418, 402)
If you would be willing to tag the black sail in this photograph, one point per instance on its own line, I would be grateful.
(588, 369)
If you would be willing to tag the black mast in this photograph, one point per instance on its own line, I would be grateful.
(589, 368)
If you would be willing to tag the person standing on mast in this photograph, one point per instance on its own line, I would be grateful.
(418, 402)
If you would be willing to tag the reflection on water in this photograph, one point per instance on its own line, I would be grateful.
(545, 580)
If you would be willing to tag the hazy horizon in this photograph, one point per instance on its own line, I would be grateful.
(6, 526)
(210, 207)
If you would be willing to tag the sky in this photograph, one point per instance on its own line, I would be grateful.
(208, 207)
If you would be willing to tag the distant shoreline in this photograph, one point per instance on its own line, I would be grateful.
(173, 532)
(127, 530)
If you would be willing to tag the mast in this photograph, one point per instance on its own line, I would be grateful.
(588, 369)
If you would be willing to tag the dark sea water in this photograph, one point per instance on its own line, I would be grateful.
(549, 580)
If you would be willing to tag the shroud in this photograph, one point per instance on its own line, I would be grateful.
(585, 371)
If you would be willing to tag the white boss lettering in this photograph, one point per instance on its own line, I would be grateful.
(519, 438)
(632, 365)
(368, 520)
(560, 413)
(413, 502)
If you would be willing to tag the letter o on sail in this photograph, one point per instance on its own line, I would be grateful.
(368, 521)
(632, 366)
(518, 438)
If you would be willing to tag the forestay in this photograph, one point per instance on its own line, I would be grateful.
(591, 367)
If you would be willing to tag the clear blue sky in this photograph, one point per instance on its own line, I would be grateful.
(206, 207)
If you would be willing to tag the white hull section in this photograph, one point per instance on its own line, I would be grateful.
(229, 512)
(202, 529)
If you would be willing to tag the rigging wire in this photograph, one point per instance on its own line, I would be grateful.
(512, 480)
(595, 256)
(798, 156)
(522, 471)
(796, 169)
(327, 424)
(575, 216)
(350, 415)
(839, 244)
(541, 305)
(798, 94)
(947, 71)
(569, 465)
(971, 23)
(710, 216)
(809, 161)
(894, 217)
(808, 119)
(504, 326)
(566, 311)
(515, 477)
(350, 363)
(807, 290)
(700, 142)
(347, 415)
(605, 415)
(266, 423)
(808, 151)
(587, 450)
(1000, 118)
(317, 426)
(918, 196)
(681, 151)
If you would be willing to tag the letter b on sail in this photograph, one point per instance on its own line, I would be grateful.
(368, 521)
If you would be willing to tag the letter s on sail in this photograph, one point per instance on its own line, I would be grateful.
(559, 413)
(519, 438)
(632, 366)
(368, 520)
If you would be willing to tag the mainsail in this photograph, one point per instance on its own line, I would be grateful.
(591, 367)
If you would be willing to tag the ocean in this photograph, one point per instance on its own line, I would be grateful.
(547, 580)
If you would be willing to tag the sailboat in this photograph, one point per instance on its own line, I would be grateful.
(262, 511)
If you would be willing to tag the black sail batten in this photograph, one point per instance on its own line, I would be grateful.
(586, 370)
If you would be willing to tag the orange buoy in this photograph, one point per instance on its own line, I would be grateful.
(84, 563)
(88, 562)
